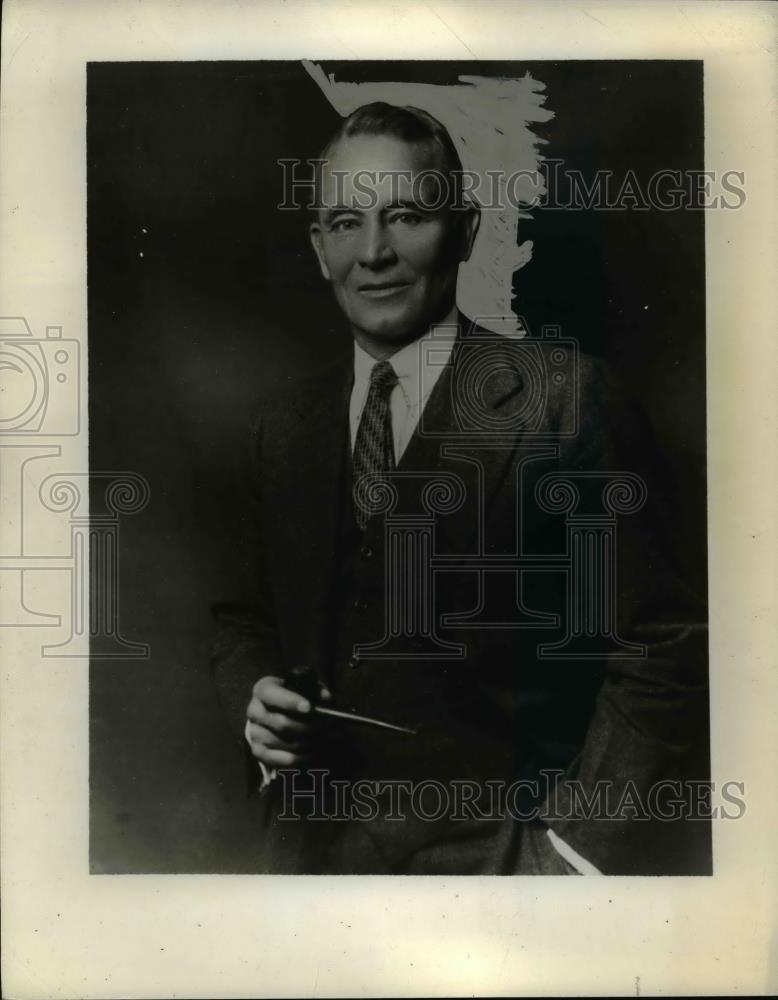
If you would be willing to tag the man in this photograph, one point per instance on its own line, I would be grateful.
(494, 710)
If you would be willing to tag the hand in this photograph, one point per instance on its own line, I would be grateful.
(279, 727)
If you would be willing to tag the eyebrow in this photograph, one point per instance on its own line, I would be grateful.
(330, 213)
(406, 203)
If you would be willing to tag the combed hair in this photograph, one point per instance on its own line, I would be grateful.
(408, 124)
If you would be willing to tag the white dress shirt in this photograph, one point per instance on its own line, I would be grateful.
(418, 367)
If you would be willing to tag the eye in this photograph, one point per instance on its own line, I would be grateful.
(407, 218)
(343, 225)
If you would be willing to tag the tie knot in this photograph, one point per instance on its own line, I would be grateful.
(383, 378)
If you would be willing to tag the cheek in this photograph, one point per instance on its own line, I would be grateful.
(339, 258)
(424, 252)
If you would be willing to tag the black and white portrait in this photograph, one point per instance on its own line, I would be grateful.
(411, 357)
(387, 480)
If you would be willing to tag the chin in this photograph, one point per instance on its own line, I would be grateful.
(395, 334)
(393, 328)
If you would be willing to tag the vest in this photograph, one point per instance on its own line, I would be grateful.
(434, 697)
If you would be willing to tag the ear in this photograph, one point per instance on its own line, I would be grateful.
(470, 224)
(316, 243)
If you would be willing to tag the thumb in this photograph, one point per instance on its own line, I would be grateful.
(325, 694)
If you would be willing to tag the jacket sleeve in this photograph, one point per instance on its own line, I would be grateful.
(648, 738)
(246, 644)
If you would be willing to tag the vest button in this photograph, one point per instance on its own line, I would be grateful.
(366, 552)
(353, 661)
(360, 604)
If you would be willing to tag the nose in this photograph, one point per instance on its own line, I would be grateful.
(375, 248)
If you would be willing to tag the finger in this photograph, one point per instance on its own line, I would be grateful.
(325, 694)
(261, 735)
(264, 682)
(271, 692)
(285, 726)
(277, 758)
(281, 725)
(285, 700)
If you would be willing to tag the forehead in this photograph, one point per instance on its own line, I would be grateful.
(382, 164)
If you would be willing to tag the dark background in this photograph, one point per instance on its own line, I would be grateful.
(202, 295)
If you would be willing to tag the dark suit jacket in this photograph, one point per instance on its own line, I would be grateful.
(505, 418)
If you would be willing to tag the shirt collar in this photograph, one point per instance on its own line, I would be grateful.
(408, 361)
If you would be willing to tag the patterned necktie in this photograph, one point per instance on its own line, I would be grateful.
(374, 444)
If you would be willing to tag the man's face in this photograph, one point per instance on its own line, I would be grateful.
(392, 262)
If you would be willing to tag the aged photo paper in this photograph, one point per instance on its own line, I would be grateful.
(388, 467)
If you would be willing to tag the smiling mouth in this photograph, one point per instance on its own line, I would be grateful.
(384, 290)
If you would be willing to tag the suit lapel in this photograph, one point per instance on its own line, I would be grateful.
(454, 436)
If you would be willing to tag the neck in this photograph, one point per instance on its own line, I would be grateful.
(381, 349)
